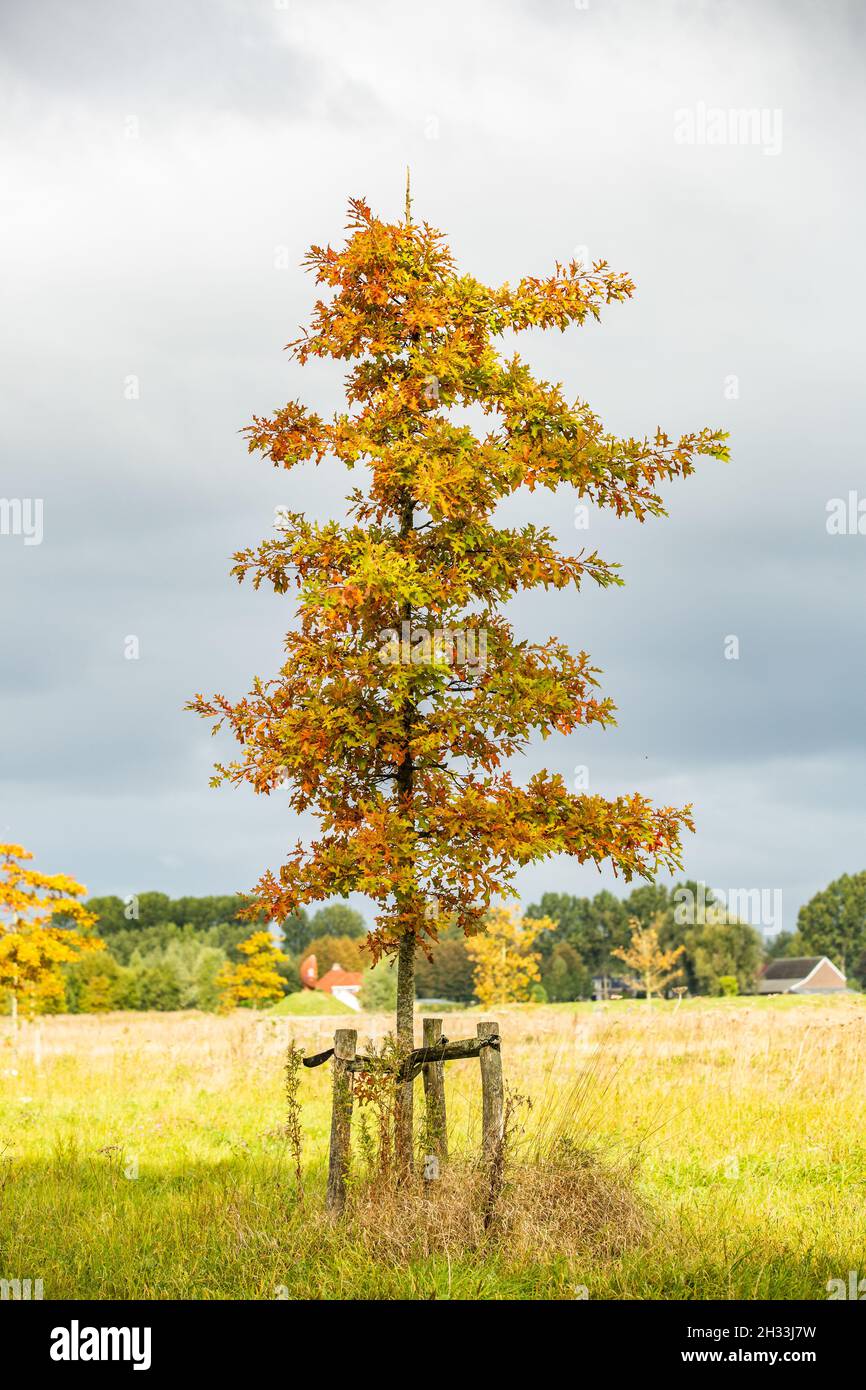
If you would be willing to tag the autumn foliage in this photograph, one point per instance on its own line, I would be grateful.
(382, 720)
(255, 980)
(43, 925)
(645, 958)
(506, 967)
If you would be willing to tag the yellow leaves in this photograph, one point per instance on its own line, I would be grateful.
(255, 980)
(654, 967)
(42, 926)
(14, 852)
(505, 965)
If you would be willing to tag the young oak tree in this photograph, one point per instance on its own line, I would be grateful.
(404, 692)
(42, 927)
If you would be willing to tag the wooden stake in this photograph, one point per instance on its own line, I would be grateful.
(406, 1039)
(434, 1091)
(492, 1094)
(345, 1044)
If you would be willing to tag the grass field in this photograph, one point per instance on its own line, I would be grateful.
(722, 1145)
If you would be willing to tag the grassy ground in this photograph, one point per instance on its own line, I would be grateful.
(307, 1003)
(723, 1146)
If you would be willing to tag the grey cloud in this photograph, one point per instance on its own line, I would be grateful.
(156, 257)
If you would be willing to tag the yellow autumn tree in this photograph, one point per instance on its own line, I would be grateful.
(43, 925)
(506, 967)
(255, 980)
(645, 958)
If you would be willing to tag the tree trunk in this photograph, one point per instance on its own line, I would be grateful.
(406, 1039)
(406, 950)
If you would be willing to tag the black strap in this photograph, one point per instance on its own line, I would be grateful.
(319, 1058)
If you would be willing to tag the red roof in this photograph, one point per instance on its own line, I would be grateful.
(337, 976)
(309, 972)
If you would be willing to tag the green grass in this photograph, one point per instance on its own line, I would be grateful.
(309, 1002)
(143, 1156)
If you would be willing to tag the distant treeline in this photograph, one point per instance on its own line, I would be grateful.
(165, 953)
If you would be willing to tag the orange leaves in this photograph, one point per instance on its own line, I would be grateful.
(290, 436)
(384, 719)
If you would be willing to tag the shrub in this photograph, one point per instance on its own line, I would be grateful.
(379, 990)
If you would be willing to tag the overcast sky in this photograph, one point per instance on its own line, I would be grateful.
(166, 165)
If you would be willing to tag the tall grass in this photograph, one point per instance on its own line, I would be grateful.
(715, 1150)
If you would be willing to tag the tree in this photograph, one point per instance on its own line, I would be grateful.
(379, 988)
(255, 980)
(785, 943)
(591, 926)
(404, 691)
(95, 984)
(722, 947)
(654, 967)
(833, 922)
(565, 976)
(647, 903)
(344, 951)
(155, 987)
(506, 967)
(42, 926)
(338, 919)
(448, 973)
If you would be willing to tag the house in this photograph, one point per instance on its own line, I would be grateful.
(612, 987)
(344, 985)
(800, 975)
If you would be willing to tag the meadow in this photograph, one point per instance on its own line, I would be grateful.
(711, 1149)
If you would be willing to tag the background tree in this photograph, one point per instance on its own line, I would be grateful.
(395, 738)
(723, 948)
(255, 980)
(564, 975)
(590, 926)
(654, 967)
(506, 967)
(338, 919)
(379, 989)
(337, 950)
(785, 943)
(833, 922)
(448, 973)
(297, 932)
(43, 925)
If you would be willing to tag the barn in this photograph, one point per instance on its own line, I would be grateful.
(800, 975)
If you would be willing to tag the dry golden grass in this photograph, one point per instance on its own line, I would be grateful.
(713, 1149)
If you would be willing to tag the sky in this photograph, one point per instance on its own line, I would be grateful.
(167, 164)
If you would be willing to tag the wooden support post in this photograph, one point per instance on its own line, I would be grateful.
(434, 1091)
(492, 1094)
(345, 1043)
